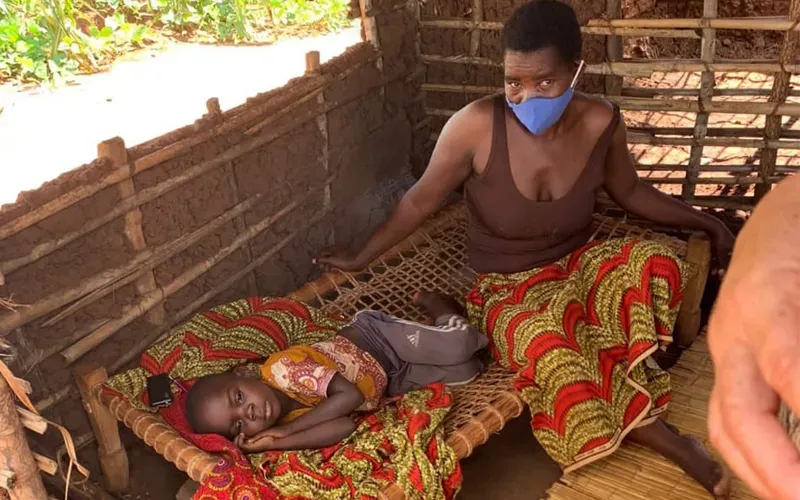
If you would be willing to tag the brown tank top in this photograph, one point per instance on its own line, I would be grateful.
(509, 233)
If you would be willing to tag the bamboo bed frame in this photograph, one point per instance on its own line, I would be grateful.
(433, 258)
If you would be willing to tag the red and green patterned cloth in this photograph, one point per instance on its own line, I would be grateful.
(578, 333)
(401, 443)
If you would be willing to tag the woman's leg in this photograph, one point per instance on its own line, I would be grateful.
(688, 453)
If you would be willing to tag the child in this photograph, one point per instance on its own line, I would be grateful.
(305, 394)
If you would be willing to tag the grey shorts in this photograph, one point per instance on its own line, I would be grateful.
(415, 355)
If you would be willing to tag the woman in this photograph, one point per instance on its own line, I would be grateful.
(577, 322)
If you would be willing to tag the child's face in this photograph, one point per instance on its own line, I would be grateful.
(239, 403)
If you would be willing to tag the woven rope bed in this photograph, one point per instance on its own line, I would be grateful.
(433, 258)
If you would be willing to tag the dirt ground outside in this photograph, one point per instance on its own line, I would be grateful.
(45, 132)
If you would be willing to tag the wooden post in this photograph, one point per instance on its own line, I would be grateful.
(16, 460)
(707, 53)
(114, 149)
(780, 91)
(370, 26)
(238, 221)
(313, 64)
(614, 48)
(113, 458)
(698, 255)
(475, 36)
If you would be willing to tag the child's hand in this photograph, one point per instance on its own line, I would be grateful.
(256, 444)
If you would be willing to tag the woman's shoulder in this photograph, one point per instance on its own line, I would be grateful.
(593, 112)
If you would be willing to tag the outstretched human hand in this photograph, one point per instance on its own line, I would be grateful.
(343, 260)
(754, 337)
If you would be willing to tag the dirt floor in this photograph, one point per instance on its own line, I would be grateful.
(45, 132)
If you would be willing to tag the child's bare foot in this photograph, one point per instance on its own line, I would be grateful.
(437, 305)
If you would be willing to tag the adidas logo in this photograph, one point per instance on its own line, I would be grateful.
(414, 339)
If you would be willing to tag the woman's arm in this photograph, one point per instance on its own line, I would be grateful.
(320, 436)
(450, 165)
(637, 197)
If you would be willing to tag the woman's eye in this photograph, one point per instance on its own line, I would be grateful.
(515, 85)
(546, 83)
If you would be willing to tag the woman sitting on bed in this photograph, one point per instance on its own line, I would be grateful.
(577, 322)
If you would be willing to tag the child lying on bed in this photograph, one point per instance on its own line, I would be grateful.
(305, 394)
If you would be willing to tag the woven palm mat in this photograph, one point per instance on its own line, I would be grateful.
(636, 473)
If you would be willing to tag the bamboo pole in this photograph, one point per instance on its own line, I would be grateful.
(275, 102)
(711, 132)
(370, 26)
(732, 169)
(641, 68)
(81, 347)
(62, 343)
(15, 455)
(626, 91)
(647, 26)
(639, 104)
(153, 192)
(114, 149)
(707, 54)
(755, 108)
(613, 83)
(780, 91)
(722, 181)
(634, 138)
(726, 23)
(586, 30)
(95, 284)
(680, 141)
(322, 126)
(475, 36)
(640, 32)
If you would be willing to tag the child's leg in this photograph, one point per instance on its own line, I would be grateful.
(451, 341)
(416, 376)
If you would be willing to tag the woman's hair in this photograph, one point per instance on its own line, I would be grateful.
(544, 23)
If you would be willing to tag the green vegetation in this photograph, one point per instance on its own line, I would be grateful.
(51, 40)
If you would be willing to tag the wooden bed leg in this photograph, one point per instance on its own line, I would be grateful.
(688, 325)
(112, 455)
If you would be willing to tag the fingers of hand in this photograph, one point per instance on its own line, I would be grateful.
(725, 445)
(746, 428)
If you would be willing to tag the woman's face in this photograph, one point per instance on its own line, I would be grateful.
(536, 74)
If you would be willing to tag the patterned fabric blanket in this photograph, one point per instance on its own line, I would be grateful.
(578, 334)
(401, 443)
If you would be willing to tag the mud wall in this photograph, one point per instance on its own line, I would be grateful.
(315, 164)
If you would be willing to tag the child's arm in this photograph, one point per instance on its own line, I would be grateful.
(320, 436)
(343, 399)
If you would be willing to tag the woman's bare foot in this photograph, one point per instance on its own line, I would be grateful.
(688, 453)
(437, 305)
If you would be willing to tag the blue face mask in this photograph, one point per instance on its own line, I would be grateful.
(538, 114)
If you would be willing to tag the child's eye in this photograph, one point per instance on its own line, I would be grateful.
(239, 426)
(239, 397)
